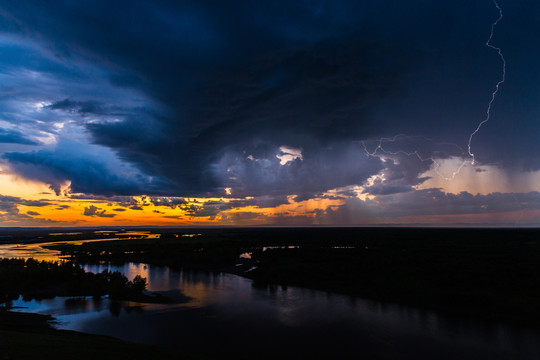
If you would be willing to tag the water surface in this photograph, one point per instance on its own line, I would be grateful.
(220, 314)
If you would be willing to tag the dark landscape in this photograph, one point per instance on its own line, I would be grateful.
(486, 274)
(31, 336)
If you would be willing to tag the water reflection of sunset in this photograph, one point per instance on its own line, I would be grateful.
(26, 251)
(41, 251)
(137, 269)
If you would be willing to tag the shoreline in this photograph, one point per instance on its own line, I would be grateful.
(480, 274)
(486, 274)
(26, 335)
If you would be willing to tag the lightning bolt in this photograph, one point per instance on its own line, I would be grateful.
(414, 153)
(472, 160)
(499, 83)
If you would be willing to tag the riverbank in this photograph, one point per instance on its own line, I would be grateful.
(479, 273)
(42, 279)
(31, 336)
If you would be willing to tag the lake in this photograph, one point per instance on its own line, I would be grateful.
(219, 314)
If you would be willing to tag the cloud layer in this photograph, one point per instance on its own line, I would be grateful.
(264, 99)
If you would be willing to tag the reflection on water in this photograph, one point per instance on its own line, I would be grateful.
(144, 234)
(36, 251)
(200, 288)
(229, 313)
(246, 255)
(27, 251)
(39, 251)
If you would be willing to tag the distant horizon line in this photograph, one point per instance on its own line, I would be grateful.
(267, 226)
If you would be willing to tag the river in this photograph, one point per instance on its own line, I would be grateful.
(222, 314)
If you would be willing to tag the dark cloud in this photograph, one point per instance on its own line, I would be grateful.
(383, 189)
(211, 209)
(208, 209)
(168, 201)
(219, 87)
(115, 198)
(429, 202)
(239, 217)
(9, 203)
(95, 211)
(14, 137)
(269, 83)
(259, 201)
(320, 169)
(81, 107)
(400, 174)
(88, 173)
(9, 210)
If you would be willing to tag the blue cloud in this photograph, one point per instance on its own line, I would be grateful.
(14, 137)
(89, 168)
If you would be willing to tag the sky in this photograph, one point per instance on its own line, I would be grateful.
(304, 112)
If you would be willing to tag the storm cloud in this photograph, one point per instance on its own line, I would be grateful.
(198, 99)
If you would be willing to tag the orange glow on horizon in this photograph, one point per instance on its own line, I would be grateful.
(51, 210)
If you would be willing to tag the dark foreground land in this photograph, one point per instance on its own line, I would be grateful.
(492, 274)
(30, 336)
(487, 273)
